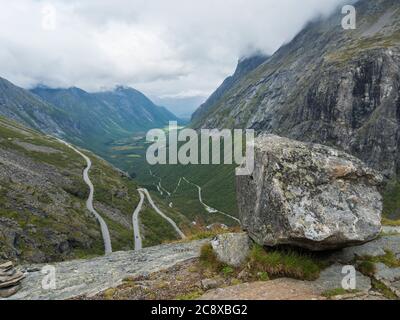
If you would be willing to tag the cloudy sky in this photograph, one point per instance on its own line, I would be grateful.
(169, 49)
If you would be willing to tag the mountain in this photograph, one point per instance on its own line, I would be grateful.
(328, 85)
(102, 117)
(90, 120)
(22, 106)
(43, 214)
(134, 110)
(245, 66)
(182, 107)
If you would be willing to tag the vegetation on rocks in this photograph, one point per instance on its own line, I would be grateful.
(389, 259)
(277, 263)
(263, 264)
(337, 292)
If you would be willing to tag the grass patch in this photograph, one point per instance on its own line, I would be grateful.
(155, 230)
(390, 223)
(389, 259)
(263, 265)
(209, 260)
(227, 271)
(283, 264)
(383, 289)
(190, 296)
(391, 202)
(337, 292)
(367, 268)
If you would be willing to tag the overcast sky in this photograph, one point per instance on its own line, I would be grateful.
(165, 48)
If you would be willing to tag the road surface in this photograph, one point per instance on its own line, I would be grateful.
(89, 203)
(206, 206)
(135, 220)
(171, 222)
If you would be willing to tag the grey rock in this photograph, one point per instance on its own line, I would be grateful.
(388, 276)
(332, 277)
(208, 284)
(243, 275)
(6, 266)
(383, 272)
(12, 280)
(232, 248)
(8, 292)
(374, 248)
(89, 277)
(391, 230)
(328, 86)
(308, 195)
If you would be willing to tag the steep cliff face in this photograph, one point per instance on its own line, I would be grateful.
(328, 85)
(244, 67)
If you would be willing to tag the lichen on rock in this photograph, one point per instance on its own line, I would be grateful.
(308, 195)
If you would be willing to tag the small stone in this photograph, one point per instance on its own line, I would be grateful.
(232, 248)
(6, 266)
(243, 275)
(8, 292)
(208, 284)
(8, 273)
(14, 280)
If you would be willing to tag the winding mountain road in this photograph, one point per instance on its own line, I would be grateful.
(171, 222)
(206, 206)
(135, 220)
(89, 203)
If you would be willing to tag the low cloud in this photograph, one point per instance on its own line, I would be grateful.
(170, 49)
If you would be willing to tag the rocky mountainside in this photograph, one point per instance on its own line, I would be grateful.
(111, 114)
(43, 216)
(245, 66)
(87, 119)
(24, 107)
(328, 85)
(134, 110)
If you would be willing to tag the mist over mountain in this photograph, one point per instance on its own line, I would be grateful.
(328, 85)
(88, 119)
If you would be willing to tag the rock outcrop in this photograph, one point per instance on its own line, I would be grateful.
(308, 195)
(92, 276)
(328, 85)
(10, 280)
(232, 248)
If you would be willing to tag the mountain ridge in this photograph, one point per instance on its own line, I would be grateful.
(90, 120)
(328, 85)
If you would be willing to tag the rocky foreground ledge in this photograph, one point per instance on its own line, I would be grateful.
(89, 277)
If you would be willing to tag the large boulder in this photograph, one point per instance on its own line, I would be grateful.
(308, 195)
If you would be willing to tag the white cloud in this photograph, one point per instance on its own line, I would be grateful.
(174, 48)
